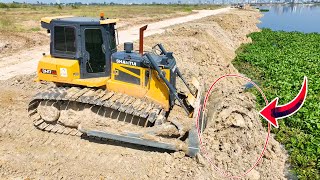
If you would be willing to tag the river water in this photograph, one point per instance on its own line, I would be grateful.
(291, 17)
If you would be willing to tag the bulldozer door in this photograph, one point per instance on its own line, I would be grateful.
(95, 51)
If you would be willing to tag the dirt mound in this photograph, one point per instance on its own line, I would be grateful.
(234, 136)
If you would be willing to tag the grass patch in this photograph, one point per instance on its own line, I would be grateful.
(264, 10)
(18, 13)
(6, 23)
(279, 61)
(35, 29)
(14, 5)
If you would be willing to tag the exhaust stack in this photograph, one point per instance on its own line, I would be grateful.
(142, 29)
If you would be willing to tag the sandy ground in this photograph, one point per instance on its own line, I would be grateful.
(234, 136)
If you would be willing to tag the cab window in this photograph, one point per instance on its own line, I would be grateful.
(94, 46)
(65, 39)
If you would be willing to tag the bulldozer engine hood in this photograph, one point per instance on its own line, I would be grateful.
(136, 59)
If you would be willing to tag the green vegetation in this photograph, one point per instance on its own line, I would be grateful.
(19, 13)
(6, 24)
(264, 10)
(74, 6)
(14, 5)
(279, 61)
(60, 7)
(35, 29)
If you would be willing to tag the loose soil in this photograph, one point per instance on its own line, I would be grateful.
(14, 42)
(234, 136)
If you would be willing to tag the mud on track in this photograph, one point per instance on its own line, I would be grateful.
(234, 135)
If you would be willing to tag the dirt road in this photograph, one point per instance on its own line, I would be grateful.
(25, 62)
(234, 136)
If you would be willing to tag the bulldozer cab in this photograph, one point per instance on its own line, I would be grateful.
(91, 41)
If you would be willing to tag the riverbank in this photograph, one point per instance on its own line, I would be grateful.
(278, 61)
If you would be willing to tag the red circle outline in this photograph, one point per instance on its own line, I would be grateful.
(202, 108)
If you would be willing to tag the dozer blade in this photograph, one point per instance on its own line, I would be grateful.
(190, 146)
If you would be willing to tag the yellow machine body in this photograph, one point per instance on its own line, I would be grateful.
(67, 71)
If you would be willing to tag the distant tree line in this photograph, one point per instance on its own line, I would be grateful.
(76, 4)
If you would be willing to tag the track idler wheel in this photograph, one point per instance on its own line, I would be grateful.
(49, 110)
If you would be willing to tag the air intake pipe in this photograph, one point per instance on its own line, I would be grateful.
(142, 29)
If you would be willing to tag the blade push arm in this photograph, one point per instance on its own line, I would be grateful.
(169, 85)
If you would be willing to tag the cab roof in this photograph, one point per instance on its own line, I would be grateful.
(78, 20)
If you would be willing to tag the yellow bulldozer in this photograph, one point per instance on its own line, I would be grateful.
(132, 93)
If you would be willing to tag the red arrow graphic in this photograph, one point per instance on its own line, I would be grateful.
(272, 112)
